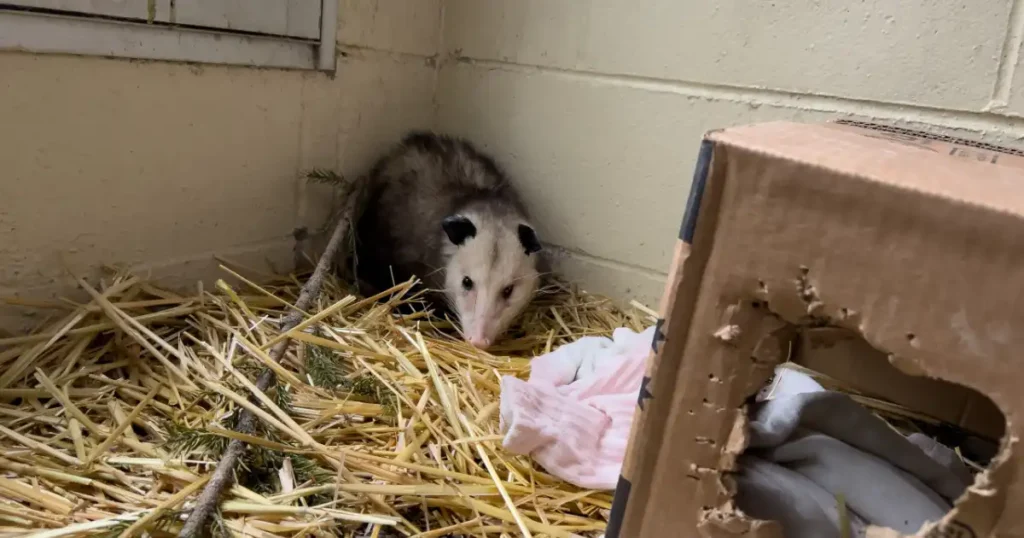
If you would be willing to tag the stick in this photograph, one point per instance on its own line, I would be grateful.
(223, 473)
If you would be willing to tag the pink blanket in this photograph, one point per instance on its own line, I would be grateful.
(574, 414)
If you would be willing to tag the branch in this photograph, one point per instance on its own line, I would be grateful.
(223, 474)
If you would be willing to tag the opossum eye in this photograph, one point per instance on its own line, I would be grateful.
(467, 283)
(506, 292)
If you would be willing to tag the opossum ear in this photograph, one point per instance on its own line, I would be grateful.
(529, 240)
(458, 228)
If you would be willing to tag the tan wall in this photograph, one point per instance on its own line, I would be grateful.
(598, 106)
(163, 164)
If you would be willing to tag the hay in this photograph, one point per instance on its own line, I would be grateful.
(113, 416)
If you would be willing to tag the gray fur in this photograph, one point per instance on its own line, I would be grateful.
(411, 190)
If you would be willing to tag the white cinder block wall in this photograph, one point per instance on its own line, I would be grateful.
(162, 165)
(597, 106)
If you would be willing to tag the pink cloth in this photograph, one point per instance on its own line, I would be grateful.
(574, 414)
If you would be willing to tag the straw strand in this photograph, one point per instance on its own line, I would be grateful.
(223, 474)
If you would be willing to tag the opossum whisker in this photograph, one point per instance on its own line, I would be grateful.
(434, 272)
(447, 300)
(458, 327)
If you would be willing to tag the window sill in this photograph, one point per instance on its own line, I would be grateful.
(41, 33)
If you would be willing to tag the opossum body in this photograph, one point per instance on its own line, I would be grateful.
(439, 209)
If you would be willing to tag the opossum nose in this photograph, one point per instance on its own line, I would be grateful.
(480, 342)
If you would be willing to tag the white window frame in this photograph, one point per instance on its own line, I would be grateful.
(148, 30)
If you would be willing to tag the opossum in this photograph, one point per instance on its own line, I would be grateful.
(440, 209)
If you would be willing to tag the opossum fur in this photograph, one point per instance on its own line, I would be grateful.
(440, 209)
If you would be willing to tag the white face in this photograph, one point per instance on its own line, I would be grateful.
(490, 279)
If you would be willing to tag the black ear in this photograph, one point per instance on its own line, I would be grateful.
(528, 238)
(458, 228)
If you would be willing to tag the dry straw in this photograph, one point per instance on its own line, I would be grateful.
(114, 414)
(124, 416)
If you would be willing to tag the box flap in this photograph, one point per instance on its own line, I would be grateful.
(960, 148)
(855, 151)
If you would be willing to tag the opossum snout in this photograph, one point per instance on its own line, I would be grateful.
(479, 342)
(478, 335)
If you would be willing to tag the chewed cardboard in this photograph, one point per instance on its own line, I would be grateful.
(898, 250)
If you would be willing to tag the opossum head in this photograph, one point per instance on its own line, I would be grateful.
(491, 273)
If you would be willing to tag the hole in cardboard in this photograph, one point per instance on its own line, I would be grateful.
(839, 438)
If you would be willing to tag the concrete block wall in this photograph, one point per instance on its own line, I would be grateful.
(597, 106)
(162, 165)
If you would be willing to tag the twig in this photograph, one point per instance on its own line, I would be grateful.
(223, 474)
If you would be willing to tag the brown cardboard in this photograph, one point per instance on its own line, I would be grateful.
(843, 355)
(980, 152)
(915, 243)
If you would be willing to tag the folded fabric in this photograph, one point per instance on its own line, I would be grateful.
(769, 491)
(837, 415)
(574, 414)
(809, 449)
(944, 455)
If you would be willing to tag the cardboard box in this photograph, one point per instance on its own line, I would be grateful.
(843, 355)
(915, 243)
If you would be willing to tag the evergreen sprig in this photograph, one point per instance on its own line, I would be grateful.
(326, 177)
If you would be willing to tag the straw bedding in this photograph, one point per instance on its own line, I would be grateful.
(114, 412)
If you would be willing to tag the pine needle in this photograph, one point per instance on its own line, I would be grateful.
(323, 367)
(184, 441)
(163, 523)
(326, 177)
(844, 516)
